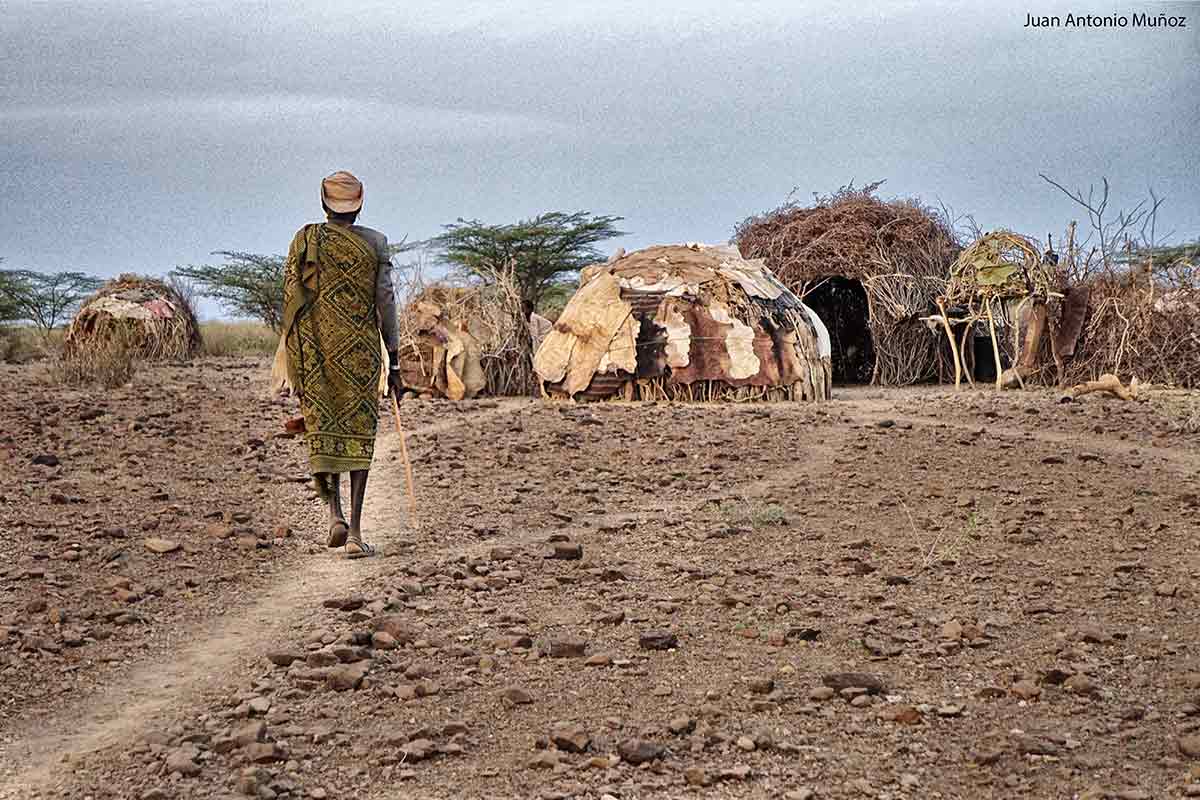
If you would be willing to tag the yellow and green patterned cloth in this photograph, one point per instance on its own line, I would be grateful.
(331, 334)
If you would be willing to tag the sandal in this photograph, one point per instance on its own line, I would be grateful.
(357, 548)
(338, 532)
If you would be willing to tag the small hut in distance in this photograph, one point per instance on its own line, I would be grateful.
(139, 313)
(871, 269)
(694, 323)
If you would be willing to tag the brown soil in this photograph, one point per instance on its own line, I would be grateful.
(1014, 582)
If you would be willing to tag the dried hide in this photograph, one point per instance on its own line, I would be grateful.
(438, 356)
(687, 322)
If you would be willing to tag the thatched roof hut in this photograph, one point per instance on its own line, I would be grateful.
(871, 269)
(683, 322)
(148, 314)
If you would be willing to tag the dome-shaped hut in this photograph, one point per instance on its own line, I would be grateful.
(147, 314)
(686, 322)
(872, 269)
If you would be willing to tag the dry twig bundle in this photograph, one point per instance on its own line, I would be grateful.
(900, 252)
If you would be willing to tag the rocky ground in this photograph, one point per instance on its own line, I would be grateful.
(904, 594)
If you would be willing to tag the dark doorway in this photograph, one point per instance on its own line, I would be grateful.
(841, 304)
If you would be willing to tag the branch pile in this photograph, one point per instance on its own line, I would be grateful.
(468, 334)
(900, 250)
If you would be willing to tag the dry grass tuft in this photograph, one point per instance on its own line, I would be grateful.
(110, 362)
(238, 339)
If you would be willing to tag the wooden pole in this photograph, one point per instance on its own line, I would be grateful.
(995, 347)
(408, 471)
(953, 346)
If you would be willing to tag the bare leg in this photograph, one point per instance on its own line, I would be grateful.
(338, 529)
(355, 546)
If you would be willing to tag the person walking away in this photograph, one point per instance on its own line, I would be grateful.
(339, 329)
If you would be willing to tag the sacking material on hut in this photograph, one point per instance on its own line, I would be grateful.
(685, 322)
(871, 269)
(439, 351)
(147, 314)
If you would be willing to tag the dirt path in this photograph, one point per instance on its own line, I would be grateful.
(33, 756)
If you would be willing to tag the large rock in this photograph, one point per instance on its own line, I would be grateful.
(347, 677)
(396, 626)
(183, 761)
(639, 751)
(840, 681)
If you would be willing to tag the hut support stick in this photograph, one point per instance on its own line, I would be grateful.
(995, 347)
(953, 346)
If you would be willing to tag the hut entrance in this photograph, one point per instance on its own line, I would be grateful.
(841, 303)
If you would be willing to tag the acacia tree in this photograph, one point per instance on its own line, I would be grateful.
(9, 312)
(247, 284)
(47, 299)
(539, 253)
(525, 263)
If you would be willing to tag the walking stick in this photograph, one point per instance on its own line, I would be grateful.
(408, 472)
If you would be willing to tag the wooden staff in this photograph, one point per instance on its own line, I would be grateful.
(408, 471)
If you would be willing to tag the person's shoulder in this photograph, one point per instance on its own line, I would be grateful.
(373, 236)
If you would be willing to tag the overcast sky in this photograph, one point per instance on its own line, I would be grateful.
(142, 135)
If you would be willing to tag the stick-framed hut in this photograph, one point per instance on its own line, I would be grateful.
(145, 313)
(871, 269)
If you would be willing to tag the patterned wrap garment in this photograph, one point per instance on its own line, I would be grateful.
(332, 335)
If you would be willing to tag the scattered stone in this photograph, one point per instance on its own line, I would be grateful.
(182, 760)
(854, 680)
(516, 696)
(545, 759)
(950, 710)
(565, 648)
(264, 752)
(746, 743)
(284, 658)
(46, 460)
(903, 714)
(417, 750)
(1027, 690)
(681, 725)
(351, 603)
(571, 738)
(347, 677)
(762, 685)
(398, 627)
(1080, 684)
(639, 751)
(599, 660)
(658, 640)
(160, 546)
(1190, 746)
(250, 733)
(382, 640)
(251, 779)
(822, 693)
(565, 551)
(696, 776)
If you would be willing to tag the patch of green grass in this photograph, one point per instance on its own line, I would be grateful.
(753, 514)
